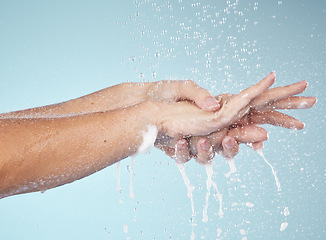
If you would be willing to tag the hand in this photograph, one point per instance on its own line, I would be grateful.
(182, 119)
(225, 142)
(260, 112)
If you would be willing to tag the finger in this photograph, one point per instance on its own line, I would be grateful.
(292, 103)
(189, 90)
(245, 96)
(277, 119)
(205, 152)
(230, 111)
(230, 147)
(170, 151)
(216, 139)
(182, 153)
(223, 98)
(278, 93)
(257, 146)
(248, 134)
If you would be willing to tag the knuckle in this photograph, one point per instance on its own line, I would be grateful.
(189, 82)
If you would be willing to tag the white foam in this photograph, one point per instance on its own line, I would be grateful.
(260, 152)
(209, 184)
(242, 232)
(193, 235)
(219, 231)
(303, 105)
(190, 187)
(149, 138)
(131, 190)
(232, 166)
(249, 204)
(283, 226)
(286, 211)
(125, 228)
(118, 176)
(244, 95)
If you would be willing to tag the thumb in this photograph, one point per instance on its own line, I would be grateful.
(189, 90)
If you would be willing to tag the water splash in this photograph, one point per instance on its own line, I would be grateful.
(284, 225)
(209, 184)
(232, 166)
(118, 177)
(190, 187)
(277, 182)
(131, 190)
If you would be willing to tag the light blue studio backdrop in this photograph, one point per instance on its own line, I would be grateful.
(52, 51)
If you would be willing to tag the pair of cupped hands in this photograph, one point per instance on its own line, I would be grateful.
(200, 125)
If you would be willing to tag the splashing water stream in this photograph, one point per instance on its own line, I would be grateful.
(277, 182)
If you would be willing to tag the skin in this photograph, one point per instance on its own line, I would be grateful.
(261, 111)
(46, 147)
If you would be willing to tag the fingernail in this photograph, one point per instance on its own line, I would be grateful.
(212, 104)
(314, 99)
(204, 144)
(229, 144)
(181, 145)
(272, 74)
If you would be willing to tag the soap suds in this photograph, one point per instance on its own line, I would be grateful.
(260, 152)
(149, 138)
(193, 235)
(118, 176)
(283, 226)
(249, 204)
(303, 105)
(286, 211)
(232, 166)
(131, 191)
(219, 231)
(190, 187)
(125, 229)
(209, 184)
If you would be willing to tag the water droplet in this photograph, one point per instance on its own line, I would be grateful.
(132, 58)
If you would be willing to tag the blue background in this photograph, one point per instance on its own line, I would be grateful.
(52, 51)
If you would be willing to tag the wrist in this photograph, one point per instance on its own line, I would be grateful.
(152, 114)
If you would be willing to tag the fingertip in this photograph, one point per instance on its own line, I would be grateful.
(230, 147)
(313, 101)
(301, 126)
(204, 144)
(182, 154)
(210, 104)
(205, 152)
(181, 144)
(297, 125)
(272, 74)
(264, 134)
(228, 142)
(270, 79)
(257, 146)
(304, 85)
(309, 103)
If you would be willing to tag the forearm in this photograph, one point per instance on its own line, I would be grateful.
(115, 97)
(38, 154)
